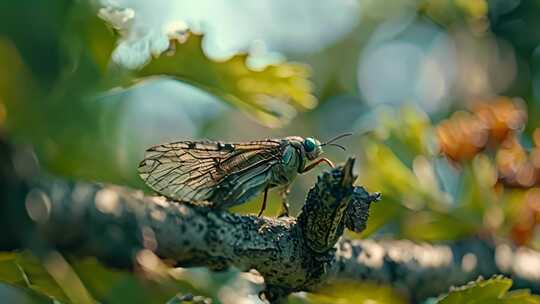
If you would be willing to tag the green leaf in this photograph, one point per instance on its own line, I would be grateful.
(346, 292)
(24, 270)
(271, 95)
(494, 290)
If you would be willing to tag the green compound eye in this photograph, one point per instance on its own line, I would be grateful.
(309, 144)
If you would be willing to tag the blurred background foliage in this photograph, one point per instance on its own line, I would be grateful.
(443, 98)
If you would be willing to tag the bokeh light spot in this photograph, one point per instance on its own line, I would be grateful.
(38, 205)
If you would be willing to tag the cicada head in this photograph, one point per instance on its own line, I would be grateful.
(312, 147)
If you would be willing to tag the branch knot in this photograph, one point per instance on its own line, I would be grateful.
(333, 203)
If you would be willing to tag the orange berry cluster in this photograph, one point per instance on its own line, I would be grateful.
(518, 167)
(465, 134)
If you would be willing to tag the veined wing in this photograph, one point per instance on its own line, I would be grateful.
(205, 170)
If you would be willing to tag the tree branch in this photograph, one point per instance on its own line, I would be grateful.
(118, 226)
(424, 270)
(115, 223)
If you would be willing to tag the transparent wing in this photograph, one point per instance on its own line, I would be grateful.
(202, 171)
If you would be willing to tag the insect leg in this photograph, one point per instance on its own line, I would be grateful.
(317, 162)
(264, 201)
(284, 203)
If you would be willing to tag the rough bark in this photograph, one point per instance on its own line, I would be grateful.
(117, 225)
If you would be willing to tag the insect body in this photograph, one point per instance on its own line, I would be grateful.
(228, 174)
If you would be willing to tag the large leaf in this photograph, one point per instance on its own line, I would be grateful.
(493, 291)
(271, 95)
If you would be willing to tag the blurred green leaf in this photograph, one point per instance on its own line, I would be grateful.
(384, 170)
(493, 291)
(380, 214)
(17, 85)
(61, 117)
(268, 95)
(407, 132)
(24, 270)
(449, 12)
(115, 286)
(412, 198)
(354, 292)
(477, 190)
(436, 226)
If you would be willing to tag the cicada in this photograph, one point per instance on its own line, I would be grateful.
(222, 175)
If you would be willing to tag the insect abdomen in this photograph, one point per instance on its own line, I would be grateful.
(239, 188)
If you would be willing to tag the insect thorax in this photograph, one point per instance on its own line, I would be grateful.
(286, 171)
